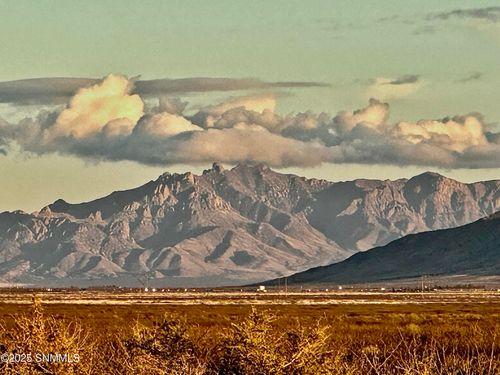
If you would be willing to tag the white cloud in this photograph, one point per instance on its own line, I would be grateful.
(92, 109)
(453, 135)
(165, 124)
(374, 115)
(106, 122)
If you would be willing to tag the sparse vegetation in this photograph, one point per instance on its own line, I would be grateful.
(260, 341)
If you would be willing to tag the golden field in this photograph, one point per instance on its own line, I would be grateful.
(233, 332)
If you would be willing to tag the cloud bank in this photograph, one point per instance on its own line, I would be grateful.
(107, 122)
(60, 90)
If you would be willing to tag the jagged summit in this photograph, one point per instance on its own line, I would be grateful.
(430, 174)
(45, 211)
(216, 168)
(430, 177)
(237, 225)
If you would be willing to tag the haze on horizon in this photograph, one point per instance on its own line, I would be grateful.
(97, 97)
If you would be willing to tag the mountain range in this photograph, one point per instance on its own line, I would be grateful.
(471, 250)
(228, 227)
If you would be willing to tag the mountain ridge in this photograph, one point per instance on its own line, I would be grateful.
(472, 249)
(243, 224)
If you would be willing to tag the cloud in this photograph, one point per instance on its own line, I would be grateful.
(393, 88)
(106, 122)
(252, 143)
(166, 125)
(258, 110)
(204, 84)
(257, 103)
(247, 109)
(476, 76)
(489, 14)
(406, 79)
(372, 116)
(42, 90)
(174, 106)
(455, 135)
(3, 140)
(59, 90)
(107, 106)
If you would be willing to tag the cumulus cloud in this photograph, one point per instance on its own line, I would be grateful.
(372, 116)
(246, 109)
(105, 106)
(106, 122)
(60, 90)
(453, 135)
(175, 106)
(165, 125)
(252, 143)
(257, 103)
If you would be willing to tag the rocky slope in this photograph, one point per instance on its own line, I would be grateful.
(228, 226)
(473, 249)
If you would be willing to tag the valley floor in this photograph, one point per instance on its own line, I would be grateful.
(233, 332)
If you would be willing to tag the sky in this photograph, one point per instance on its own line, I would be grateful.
(119, 92)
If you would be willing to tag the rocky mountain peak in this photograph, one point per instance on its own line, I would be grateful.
(247, 223)
(97, 216)
(45, 211)
(58, 205)
(188, 176)
(262, 167)
(216, 168)
(429, 177)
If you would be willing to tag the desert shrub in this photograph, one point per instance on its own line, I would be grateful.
(35, 334)
(253, 346)
(164, 348)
